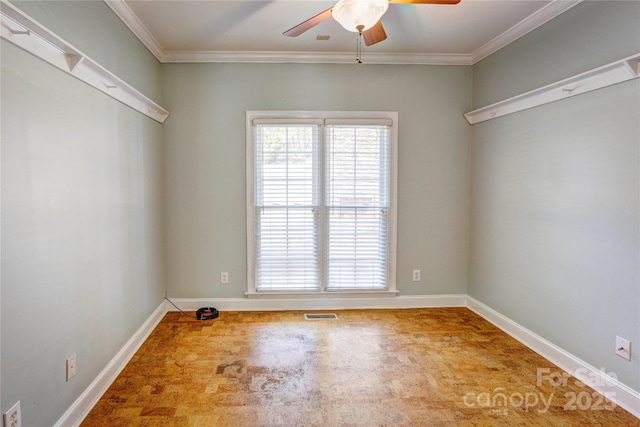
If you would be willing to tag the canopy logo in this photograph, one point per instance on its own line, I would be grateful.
(499, 400)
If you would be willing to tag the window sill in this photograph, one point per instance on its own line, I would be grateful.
(320, 295)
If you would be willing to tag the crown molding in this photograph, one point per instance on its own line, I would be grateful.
(530, 23)
(316, 57)
(131, 20)
(540, 17)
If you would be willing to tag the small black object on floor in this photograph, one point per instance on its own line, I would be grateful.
(206, 313)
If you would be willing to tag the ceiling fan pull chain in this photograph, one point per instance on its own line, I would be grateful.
(359, 49)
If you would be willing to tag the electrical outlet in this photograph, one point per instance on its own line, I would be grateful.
(623, 348)
(71, 366)
(416, 275)
(12, 417)
(224, 277)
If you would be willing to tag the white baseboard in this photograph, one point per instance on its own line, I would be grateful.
(247, 304)
(83, 405)
(617, 392)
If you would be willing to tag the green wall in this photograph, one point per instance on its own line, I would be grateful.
(555, 190)
(205, 163)
(82, 240)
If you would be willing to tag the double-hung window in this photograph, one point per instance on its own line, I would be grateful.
(321, 202)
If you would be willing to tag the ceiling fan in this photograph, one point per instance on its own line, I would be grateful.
(359, 16)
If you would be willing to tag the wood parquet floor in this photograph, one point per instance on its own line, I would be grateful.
(414, 367)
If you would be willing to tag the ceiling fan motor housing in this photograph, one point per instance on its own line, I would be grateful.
(359, 15)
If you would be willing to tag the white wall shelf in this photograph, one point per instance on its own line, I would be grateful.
(26, 33)
(616, 72)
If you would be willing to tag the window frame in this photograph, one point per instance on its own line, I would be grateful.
(292, 117)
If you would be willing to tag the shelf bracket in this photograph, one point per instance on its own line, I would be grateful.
(73, 61)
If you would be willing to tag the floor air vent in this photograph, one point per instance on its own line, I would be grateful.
(320, 316)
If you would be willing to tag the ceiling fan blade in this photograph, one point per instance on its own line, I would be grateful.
(375, 34)
(308, 24)
(425, 1)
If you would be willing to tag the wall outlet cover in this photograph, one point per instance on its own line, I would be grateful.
(13, 418)
(623, 348)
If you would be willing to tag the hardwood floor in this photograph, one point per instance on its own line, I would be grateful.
(417, 367)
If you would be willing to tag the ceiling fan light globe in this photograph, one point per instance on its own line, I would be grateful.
(359, 15)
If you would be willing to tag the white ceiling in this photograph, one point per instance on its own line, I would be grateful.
(251, 31)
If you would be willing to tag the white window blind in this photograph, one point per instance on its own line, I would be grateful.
(321, 205)
(286, 207)
(357, 206)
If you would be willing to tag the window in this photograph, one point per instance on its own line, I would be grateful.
(321, 202)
